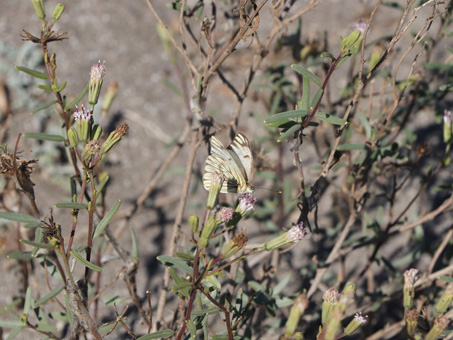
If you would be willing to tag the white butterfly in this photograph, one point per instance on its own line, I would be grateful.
(234, 163)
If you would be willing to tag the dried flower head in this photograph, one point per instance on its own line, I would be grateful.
(237, 243)
(19, 169)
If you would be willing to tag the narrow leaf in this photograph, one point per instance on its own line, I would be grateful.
(75, 206)
(83, 261)
(23, 218)
(39, 237)
(27, 302)
(10, 323)
(39, 245)
(180, 286)
(286, 115)
(288, 132)
(20, 255)
(347, 147)
(178, 263)
(101, 185)
(305, 72)
(134, 251)
(105, 221)
(281, 285)
(33, 73)
(45, 106)
(327, 55)
(330, 118)
(305, 102)
(44, 136)
(165, 333)
(77, 99)
(15, 332)
(48, 296)
(316, 97)
(45, 87)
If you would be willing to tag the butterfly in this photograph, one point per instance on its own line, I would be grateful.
(234, 163)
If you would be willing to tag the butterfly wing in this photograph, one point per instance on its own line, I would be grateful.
(222, 162)
(240, 149)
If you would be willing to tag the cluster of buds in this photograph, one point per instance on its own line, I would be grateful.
(333, 310)
(294, 235)
(88, 133)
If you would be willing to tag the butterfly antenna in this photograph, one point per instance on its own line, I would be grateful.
(272, 190)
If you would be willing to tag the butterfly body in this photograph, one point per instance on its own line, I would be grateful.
(234, 163)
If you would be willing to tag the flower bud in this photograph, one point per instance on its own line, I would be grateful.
(295, 234)
(237, 243)
(57, 12)
(410, 276)
(348, 42)
(208, 230)
(84, 120)
(411, 322)
(96, 132)
(193, 223)
(346, 296)
(40, 10)
(331, 298)
(96, 78)
(91, 148)
(445, 300)
(355, 323)
(109, 96)
(72, 136)
(439, 325)
(295, 314)
(214, 189)
(334, 324)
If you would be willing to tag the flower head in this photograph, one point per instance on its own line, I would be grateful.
(83, 114)
(355, 323)
(96, 78)
(360, 25)
(331, 296)
(224, 214)
(410, 276)
(298, 232)
(246, 203)
(237, 243)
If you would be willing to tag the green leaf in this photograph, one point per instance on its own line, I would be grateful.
(178, 263)
(106, 219)
(327, 55)
(102, 184)
(347, 147)
(184, 256)
(45, 106)
(10, 323)
(20, 255)
(83, 261)
(173, 88)
(45, 87)
(15, 332)
(48, 296)
(281, 285)
(181, 286)
(39, 237)
(27, 302)
(18, 217)
(77, 99)
(134, 251)
(286, 115)
(316, 97)
(46, 327)
(44, 136)
(285, 135)
(305, 72)
(75, 206)
(69, 311)
(39, 245)
(330, 118)
(33, 73)
(165, 333)
(305, 102)
(447, 279)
